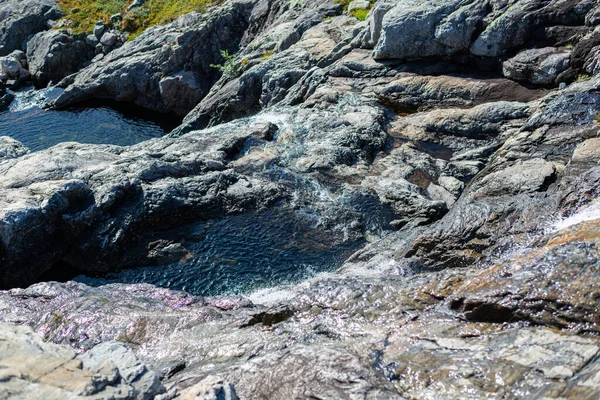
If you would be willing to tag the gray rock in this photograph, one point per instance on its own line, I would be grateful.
(99, 29)
(55, 54)
(34, 369)
(132, 73)
(132, 371)
(20, 19)
(91, 40)
(108, 39)
(10, 66)
(538, 66)
(359, 5)
(162, 187)
(20, 56)
(420, 28)
(116, 18)
(135, 4)
(11, 148)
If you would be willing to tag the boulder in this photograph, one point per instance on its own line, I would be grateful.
(423, 28)
(537, 66)
(10, 66)
(21, 19)
(133, 72)
(359, 5)
(108, 39)
(55, 54)
(34, 369)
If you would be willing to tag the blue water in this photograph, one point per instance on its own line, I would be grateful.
(39, 129)
(244, 253)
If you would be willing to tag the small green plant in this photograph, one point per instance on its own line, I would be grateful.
(229, 67)
(597, 118)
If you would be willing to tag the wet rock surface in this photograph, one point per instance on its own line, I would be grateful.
(470, 127)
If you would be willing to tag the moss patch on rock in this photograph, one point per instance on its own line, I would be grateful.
(82, 15)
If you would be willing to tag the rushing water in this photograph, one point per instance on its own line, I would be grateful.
(39, 129)
(314, 232)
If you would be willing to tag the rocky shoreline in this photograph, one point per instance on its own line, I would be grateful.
(474, 122)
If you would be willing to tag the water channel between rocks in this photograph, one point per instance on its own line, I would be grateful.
(236, 254)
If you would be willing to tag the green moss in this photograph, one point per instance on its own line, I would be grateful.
(360, 14)
(85, 13)
(583, 77)
(266, 55)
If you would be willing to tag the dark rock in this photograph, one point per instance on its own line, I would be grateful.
(20, 19)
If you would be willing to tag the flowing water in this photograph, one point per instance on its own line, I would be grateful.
(38, 129)
(314, 232)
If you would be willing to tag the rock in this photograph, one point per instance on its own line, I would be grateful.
(20, 56)
(419, 28)
(538, 66)
(68, 193)
(99, 30)
(210, 388)
(556, 297)
(135, 4)
(91, 40)
(10, 66)
(20, 19)
(116, 18)
(34, 369)
(153, 58)
(359, 5)
(108, 39)
(11, 148)
(132, 73)
(5, 101)
(131, 370)
(54, 54)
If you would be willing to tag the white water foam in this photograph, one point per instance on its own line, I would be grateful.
(31, 98)
(588, 213)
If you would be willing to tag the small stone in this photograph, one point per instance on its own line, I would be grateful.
(91, 40)
(135, 4)
(99, 29)
(98, 57)
(562, 86)
(108, 39)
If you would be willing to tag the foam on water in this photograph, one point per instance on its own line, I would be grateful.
(587, 213)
